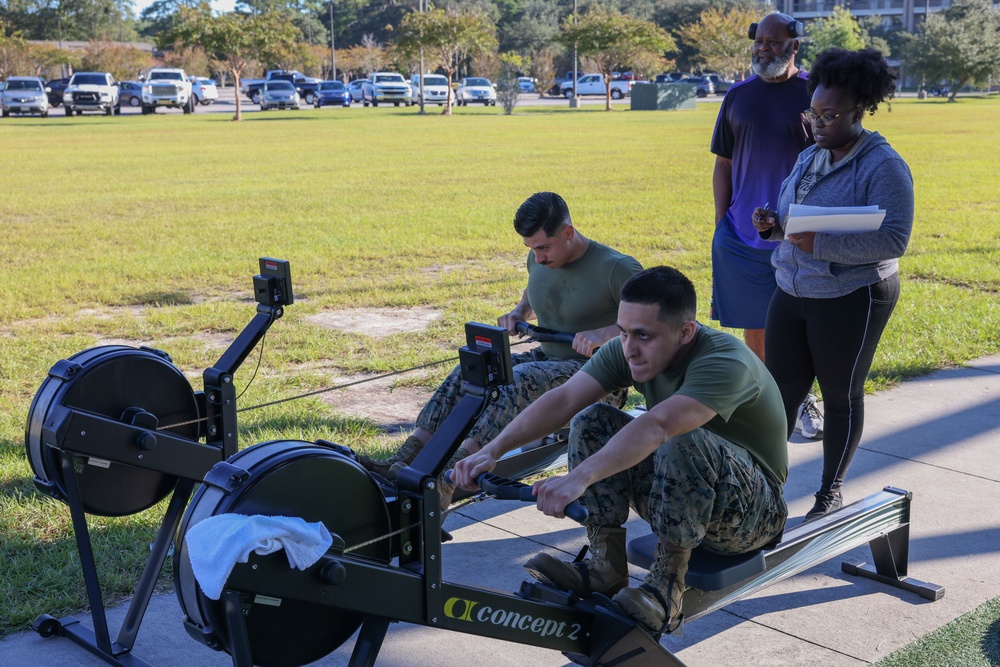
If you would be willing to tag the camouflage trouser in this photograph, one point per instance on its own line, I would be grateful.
(697, 488)
(534, 374)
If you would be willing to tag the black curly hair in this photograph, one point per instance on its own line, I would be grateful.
(864, 75)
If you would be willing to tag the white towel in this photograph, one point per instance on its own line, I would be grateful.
(217, 543)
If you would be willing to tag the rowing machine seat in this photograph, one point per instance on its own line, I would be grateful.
(707, 571)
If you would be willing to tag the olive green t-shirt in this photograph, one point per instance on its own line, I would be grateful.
(579, 296)
(723, 374)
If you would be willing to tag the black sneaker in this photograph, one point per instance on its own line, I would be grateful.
(826, 502)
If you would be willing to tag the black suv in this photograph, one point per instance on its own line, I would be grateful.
(54, 89)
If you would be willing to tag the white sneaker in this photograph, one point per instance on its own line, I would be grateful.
(809, 421)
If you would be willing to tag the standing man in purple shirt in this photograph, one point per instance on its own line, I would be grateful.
(758, 137)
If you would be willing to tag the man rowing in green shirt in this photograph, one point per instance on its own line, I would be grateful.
(704, 465)
(573, 286)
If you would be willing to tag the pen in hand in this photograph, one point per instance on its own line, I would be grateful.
(760, 216)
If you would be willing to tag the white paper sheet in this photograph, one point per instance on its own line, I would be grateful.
(833, 219)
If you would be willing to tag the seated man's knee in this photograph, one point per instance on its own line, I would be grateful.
(694, 446)
(598, 413)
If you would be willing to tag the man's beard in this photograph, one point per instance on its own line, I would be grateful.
(777, 67)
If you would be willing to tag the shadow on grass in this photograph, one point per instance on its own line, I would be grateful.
(161, 298)
(991, 643)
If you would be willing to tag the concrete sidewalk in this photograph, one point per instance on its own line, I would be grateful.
(936, 437)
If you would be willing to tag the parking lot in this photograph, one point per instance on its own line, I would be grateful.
(227, 104)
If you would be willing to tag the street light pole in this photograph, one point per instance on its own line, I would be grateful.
(421, 6)
(575, 102)
(333, 52)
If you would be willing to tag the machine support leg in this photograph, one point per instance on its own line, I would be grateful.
(890, 555)
(369, 641)
(144, 590)
(237, 628)
(98, 640)
(86, 550)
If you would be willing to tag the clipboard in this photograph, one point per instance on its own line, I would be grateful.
(833, 219)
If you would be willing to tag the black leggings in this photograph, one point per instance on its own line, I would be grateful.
(832, 341)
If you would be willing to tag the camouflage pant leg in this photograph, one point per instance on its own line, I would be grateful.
(608, 501)
(531, 380)
(534, 373)
(695, 488)
(706, 490)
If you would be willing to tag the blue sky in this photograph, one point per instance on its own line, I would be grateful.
(217, 5)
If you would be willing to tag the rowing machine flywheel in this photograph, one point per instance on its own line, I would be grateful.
(295, 479)
(112, 381)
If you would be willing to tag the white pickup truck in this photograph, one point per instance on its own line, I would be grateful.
(167, 87)
(593, 84)
(91, 91)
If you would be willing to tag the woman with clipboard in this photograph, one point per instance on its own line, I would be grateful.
(836, 291)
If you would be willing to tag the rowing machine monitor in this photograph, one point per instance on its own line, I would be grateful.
(273, 286)
(485, 359)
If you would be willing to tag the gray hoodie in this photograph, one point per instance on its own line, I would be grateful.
(842, 263)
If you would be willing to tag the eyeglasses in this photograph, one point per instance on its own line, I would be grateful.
(813, 117)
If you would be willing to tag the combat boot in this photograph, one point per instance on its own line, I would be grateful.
(656, 604)
(605, 572)
(404, 455)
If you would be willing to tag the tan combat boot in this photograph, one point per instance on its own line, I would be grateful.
(605, 572)
(656, 604)
(404, 455)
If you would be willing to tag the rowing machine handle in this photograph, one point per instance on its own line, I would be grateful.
(507, 489)
(543, 335)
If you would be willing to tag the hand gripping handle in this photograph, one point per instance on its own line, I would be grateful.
(506, 489)
(543, 335)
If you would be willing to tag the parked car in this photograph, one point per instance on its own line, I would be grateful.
(355, 89)
(436, 89)
(721, 85)
(476, 90)
(331, 93)
(91, 91)
(671, 77)
(593, 84)
(526, 84)
(167, 87)
(386, 87)
(278, 95)
(703, 87)
(305, 86)
(204, 90)
(55, 89)
(24, 94)
(130, 93)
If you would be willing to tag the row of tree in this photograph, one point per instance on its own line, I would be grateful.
(960, 44)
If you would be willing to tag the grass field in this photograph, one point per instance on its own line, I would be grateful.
(146, 230)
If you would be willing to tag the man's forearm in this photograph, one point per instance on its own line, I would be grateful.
(604, 334)
(643, 436)
(545, 415)
(523, 308)
(722, 186)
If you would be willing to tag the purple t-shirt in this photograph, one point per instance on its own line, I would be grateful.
(762, 130)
